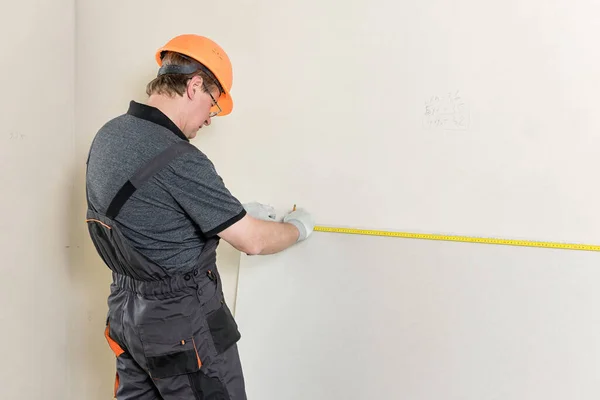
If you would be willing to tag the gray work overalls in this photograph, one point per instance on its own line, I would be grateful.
(173, 335)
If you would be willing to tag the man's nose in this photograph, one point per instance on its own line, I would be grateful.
(207, 122)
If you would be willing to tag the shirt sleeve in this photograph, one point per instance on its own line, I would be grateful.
(197, 187)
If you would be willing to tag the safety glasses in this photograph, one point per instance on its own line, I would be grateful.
(214, 102)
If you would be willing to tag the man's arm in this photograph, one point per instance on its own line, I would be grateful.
(258, 233)
(199, 190)
(257, 237)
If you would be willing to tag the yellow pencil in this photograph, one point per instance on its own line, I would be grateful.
(294, 208)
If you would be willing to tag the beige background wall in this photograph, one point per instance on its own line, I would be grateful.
(54, 287)
(36, 191)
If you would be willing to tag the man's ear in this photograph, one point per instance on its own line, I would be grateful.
(194, 87)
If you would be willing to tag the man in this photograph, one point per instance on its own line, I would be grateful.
(156, 212)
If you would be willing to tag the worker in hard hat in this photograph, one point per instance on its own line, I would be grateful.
(156, 212)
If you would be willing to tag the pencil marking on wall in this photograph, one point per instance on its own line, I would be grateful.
(15, 136)
(447, 112)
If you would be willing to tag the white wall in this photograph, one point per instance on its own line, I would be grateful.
(36, 186)
(465, 117)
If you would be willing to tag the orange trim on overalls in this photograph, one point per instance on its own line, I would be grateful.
(116, 384)
(197, 355)
(100, 222)
(114, 346)
(118, 350)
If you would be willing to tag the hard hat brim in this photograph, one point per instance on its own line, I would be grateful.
(226, 104)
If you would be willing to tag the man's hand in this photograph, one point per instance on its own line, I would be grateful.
(260, 233)
(303, 221)
(260, 211)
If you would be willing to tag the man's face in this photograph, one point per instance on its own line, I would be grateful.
(200, 107)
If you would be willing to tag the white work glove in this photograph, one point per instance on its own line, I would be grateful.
(260, 211)
(301, 220)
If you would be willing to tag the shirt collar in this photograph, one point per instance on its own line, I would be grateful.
(154, 115)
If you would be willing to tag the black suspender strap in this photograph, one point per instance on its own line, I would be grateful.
(144, 173)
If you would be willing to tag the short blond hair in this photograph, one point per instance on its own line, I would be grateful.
(176, 84)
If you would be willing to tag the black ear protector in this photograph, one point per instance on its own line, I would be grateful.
(178, 69)
(188, 69)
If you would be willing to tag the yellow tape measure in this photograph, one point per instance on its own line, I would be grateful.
(466, 239)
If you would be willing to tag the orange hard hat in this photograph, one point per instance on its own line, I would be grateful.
(209, 54)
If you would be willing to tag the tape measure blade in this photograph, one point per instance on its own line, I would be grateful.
(464, 239)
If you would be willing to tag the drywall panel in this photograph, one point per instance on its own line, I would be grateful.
(356, 317)
(36, 159)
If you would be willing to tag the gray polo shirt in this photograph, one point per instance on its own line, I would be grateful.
(170, 217)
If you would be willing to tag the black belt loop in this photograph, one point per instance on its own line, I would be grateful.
(211, 275)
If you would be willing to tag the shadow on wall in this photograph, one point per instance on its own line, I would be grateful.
(228, 262)
(91, 362)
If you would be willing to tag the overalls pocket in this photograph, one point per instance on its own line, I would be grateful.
(223, 328)
(170, 347)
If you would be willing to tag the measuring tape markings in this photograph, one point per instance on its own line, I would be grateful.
(465, 239)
